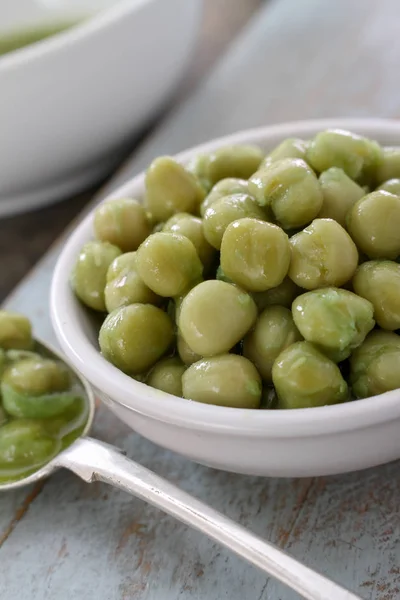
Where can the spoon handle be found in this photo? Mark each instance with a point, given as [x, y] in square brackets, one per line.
[93, 460]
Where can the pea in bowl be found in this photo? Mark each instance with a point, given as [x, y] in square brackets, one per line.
[328, 410]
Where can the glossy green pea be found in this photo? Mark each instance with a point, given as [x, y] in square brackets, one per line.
[340, 194]
[336, 320]
[171, 189]
[304, 378]
[273, 332]
[25, 444]
[227, 380]
[122, 222]
[89, 275]
[358, 156]
[225, 211]
[168, 263]
[375, 365]
[392, 186]
[15, 331]
[255, 254]
[291, 189]
[389, 167]
[379, 282]
[192, 228]
[134, 337]
[225, 187]
[289, 148]
[186, 354]
[374, 224]
[166, 375]
[215, 316]
[125, 286]
[322, 255]
[281, 295]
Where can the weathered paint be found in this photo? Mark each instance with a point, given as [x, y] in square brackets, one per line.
[70, 540]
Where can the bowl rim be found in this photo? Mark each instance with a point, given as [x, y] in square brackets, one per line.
[82, 30]
[164, 407]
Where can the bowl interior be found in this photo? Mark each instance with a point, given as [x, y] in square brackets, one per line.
[77, 331]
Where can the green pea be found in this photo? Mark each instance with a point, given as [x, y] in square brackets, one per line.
[122, 222]
[89, 275]
[289, 148]
[227, 380]
[392, 186]
[186, 354]
[192, 228]
[322, 255]
[125, 286]
[336, 320]
[15, 331]
[134, 337]
[374, 224]
[273, 332]
[215, 316]
[25, 444]
[255, 254]
[304, 378]
[340, 194]
[379, 282]
[167, 263]
[281, 295]
[358, 156]
[389, 167]
[225, 187]
[166, 375]
[170, 189]
[225, 211]
[221, 275]
[290, 188]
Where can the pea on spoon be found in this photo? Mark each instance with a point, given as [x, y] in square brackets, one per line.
[93, 460]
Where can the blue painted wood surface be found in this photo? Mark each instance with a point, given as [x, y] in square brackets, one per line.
[69, 540]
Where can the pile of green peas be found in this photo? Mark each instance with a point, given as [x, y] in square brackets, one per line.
[42, 406]
[254, 281]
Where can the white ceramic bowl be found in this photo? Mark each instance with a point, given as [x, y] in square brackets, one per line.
[70, 103]
[305, 442]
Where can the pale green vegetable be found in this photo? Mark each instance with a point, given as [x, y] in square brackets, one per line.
[192, 228]
[214, 316]
[389, 167]
[289, 148]
[281, 295]
[392, 186]
[15, 331]
[25, 443]
[255, 254]
[226, 380]
[166, 375]
[186, 354]
[225, 187]
[379, 282]
[322, 255]
[340, 194]
[122, 222]
[304, 378]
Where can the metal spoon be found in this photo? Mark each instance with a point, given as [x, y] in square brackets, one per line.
[93, 460]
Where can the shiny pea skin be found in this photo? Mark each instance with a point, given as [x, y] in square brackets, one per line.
[171, 189]
[167, 263]
[289, 148]
[25, 444]
[291, 189]
[273, 332]
[392, 186]
[135, 337]
[15, 331]
[358, 156]
[379, 282]
[192, 228]
[226, 210]
[186, 354]
[374, 224]
[122, 222]
[125, 286]
[281, 295]
[305, 378]
[89, 275]
[215, 316]
[255, 254]
[166, 375]
[227, 380]
[322, 255]
[375, 365]
[238, 161]
[340, 194]
[389, 167]
[336, 320]
[225, 187]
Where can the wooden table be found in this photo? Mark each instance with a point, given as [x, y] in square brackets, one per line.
[64, 539]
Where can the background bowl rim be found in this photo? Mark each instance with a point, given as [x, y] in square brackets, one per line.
[157, 405]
